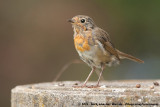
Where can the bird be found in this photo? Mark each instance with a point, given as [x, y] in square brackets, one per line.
[94, 46]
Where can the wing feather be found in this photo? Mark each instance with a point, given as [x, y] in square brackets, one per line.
[103, 37]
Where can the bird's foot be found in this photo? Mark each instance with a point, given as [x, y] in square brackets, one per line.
[93, 86]
[85, 86]
[82, 86]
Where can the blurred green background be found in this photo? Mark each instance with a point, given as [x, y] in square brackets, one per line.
[36, 41]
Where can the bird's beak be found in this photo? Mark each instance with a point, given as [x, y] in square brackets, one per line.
[71, 21]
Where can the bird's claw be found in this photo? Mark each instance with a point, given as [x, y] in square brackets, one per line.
[85, 86]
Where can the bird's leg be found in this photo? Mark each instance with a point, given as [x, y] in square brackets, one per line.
[93, 69]
[98, 73]
[100, 76]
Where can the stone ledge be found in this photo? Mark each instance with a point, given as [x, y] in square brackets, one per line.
[58, 94]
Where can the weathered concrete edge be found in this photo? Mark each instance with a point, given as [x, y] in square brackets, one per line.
[58, 98]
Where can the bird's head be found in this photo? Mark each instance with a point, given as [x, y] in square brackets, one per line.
[82, 22]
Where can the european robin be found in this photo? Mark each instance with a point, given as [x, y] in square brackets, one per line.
[94, 46]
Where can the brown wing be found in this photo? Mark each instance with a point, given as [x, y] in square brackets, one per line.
[103, 37]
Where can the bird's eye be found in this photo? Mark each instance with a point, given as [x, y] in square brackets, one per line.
[83, 20]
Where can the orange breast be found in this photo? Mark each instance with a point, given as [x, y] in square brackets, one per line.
[81, 43]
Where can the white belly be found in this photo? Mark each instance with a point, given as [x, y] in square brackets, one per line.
[95, 56]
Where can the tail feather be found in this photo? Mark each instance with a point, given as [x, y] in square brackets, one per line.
[124, 55]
